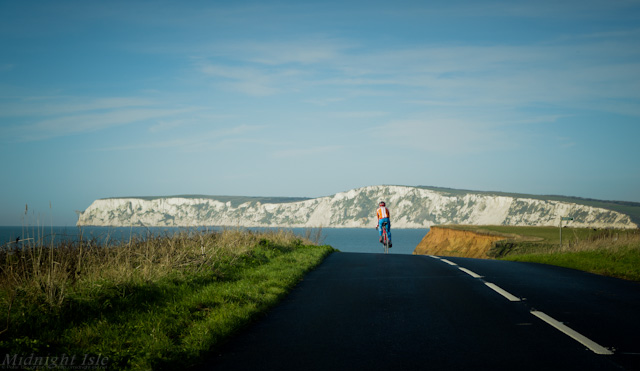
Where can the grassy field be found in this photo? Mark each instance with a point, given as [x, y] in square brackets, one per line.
[607, 252]
[621, 262]
[157, 303]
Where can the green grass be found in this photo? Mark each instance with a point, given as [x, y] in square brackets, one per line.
[541, 235]
[160, 319]
[621, 263]
[614, 253]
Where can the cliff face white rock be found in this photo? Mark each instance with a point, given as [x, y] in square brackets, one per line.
[411, 207]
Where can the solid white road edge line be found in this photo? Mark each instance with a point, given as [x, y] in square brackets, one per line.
[471, 273]
[502, 292]
[596, 348]
[448, 262]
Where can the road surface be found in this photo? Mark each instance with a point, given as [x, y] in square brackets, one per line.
[406, 312]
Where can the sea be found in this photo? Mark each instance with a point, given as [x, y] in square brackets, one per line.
[358, 240]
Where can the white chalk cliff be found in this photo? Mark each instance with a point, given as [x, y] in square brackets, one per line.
[411, 207]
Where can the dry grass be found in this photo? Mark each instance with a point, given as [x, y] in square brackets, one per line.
[611, 240]
[49, 272]
[160, 302]
[614, 253]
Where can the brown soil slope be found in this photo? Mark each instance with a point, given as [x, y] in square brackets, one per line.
[452, 242]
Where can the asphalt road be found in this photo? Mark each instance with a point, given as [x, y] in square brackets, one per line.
[405, 312]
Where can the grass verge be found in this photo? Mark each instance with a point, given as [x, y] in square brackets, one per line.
[614, 253]
[621, 263]
[608, 252]
[161, 303]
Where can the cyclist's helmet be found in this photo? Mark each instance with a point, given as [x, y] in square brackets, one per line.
[382, 203]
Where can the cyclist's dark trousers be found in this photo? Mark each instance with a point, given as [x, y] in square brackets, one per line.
[388, 226]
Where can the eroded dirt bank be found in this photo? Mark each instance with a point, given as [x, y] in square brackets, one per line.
[451, 242]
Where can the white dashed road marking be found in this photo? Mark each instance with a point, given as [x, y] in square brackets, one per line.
[594, 347]
[472, 274]
[502, 292]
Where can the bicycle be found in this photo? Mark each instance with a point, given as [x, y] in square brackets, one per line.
[385, 240]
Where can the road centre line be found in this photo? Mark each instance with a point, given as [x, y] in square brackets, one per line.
[448, 262]
[465, 270]
[493, 286]
[471, 273]
[594, 347]
[502, 292]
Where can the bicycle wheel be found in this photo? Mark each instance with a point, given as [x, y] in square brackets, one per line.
[385, 241]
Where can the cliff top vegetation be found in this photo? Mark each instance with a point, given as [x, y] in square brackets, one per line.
[610, 252]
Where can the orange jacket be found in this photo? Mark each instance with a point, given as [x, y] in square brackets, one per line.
[383, 212]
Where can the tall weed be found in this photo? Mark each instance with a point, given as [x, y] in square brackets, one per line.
[612, 240]
[46, 273]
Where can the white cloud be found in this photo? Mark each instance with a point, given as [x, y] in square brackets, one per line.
[544, 9]
[164, 125]
[297, 153]
[202, 140]
[324, 101]
[581, 73]
[191, 121]
[357, 114]
[49, 117]
[74, 124]
[60, 105]
[313, 50]
[248, 80]
[444, 136]
[585, 76]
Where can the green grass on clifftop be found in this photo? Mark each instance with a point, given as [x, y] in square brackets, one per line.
[614, 253]
[622, 262]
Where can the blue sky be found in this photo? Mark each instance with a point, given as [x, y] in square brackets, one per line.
[294, 98]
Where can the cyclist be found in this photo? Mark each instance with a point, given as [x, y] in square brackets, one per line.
[383, 216]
